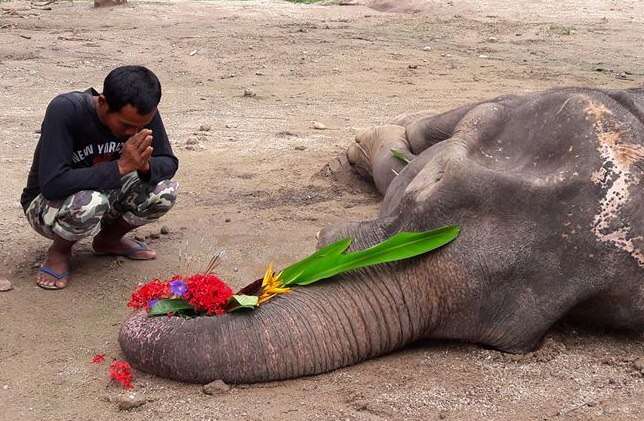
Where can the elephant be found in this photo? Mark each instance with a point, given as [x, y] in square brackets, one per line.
[546, 189]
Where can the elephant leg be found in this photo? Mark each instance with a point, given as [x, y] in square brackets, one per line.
[372, 154]
[430, 129]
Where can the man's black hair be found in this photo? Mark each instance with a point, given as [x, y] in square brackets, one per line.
[134, 85]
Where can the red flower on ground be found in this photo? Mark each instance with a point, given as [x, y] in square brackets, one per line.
[153, 290]
[208, 293]
[98, 359]
[121, 372]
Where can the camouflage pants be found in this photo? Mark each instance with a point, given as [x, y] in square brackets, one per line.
[82, 214]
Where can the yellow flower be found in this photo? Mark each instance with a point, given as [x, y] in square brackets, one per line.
[271, 285]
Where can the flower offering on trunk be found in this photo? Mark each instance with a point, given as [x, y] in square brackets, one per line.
[205, 294]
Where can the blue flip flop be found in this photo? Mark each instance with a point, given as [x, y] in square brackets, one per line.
[57, 276]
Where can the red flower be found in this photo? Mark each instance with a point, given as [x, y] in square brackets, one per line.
[121, 372]
[208, 293]
[98, 359]
[153, 290]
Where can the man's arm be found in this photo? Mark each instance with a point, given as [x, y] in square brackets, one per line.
[163, 163]
[56, 176]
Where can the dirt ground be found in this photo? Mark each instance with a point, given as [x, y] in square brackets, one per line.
[258, 182]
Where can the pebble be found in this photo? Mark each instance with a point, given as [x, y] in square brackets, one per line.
[318, 126]
[259, 73]
[154, 236]
[205, 128]
[5, 387]
[165, 230]
[484, 56]
[427, 48]
[217, 387]
[492, 39]
[249, 93]
[131, 401]
[412, 66]
[300, 148]
[227, 220]
[5, 285]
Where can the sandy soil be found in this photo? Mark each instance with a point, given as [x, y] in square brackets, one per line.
[261, 182]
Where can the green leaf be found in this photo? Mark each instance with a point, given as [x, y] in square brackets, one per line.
[403, 245]
[237, 302]
[292, 273]
[163, 307]
[400, 156]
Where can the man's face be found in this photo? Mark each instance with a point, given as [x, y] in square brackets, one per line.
[125, 122]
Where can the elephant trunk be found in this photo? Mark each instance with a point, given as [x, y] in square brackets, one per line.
[308, 331]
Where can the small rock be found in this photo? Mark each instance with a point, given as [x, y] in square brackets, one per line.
[192, 141]
[204, 128]
[318, 126]
[139, 238]
[412, 66]
[492, 39]
[427, 48]
[193, 52]
[249, 93]
[130, 401]
[5, 387]
[227, 220]
[217, 387]
[300, 148]
[154, 236]
[259, 73]
[235, 269]
[36, 265]
[5, 285]
[165, 230]
[639, 364]
[484, 56]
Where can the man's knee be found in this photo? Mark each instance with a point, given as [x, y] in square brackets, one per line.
[80, 215]
[155, 204]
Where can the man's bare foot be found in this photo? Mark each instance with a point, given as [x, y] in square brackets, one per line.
[132, 249]
[54, 272]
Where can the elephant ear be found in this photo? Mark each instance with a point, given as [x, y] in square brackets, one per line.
[331, 260]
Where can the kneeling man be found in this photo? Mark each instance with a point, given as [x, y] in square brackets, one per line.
[102, 167]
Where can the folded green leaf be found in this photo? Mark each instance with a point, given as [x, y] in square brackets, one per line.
[237, 302]
[403, 245]
[163, 307]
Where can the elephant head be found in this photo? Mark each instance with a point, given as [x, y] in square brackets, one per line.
[547, 191]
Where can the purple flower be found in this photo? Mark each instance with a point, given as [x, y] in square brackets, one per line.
[152, 303]
[178, 287]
